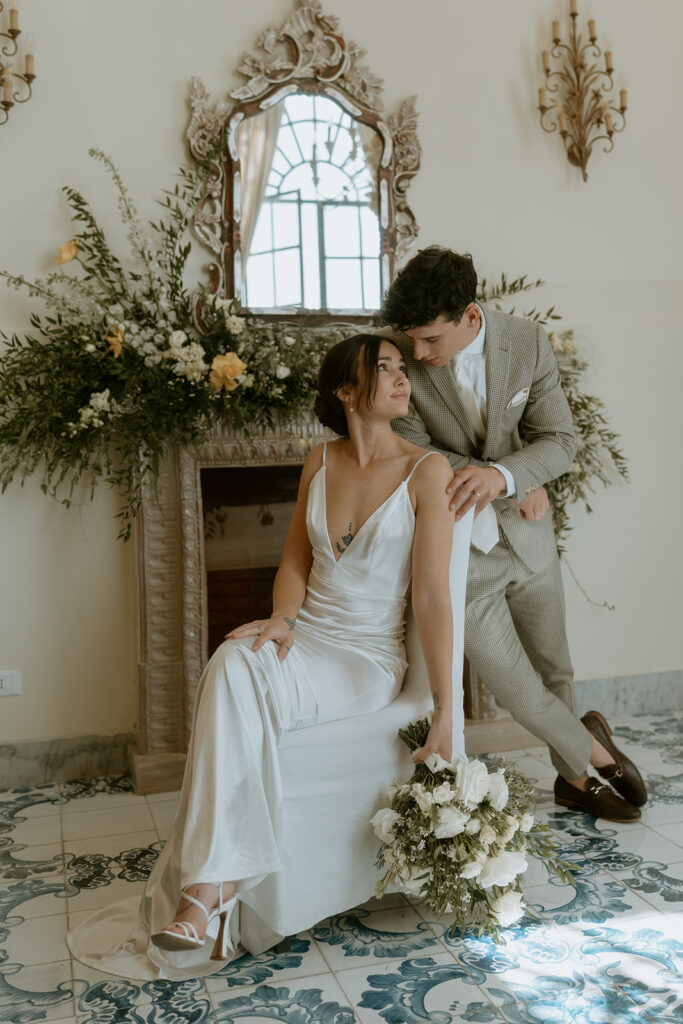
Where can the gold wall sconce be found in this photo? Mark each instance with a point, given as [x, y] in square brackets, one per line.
[16, 88]
[574, 98]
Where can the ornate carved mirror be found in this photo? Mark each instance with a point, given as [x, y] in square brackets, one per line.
[305, 210]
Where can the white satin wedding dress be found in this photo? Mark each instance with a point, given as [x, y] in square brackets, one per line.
[348, 659]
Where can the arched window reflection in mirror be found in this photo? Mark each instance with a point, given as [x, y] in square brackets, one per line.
[309, 228]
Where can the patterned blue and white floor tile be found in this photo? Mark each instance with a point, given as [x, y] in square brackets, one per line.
[609, 951]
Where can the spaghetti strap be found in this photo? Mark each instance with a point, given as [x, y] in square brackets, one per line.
[425, 456]
[324, 451]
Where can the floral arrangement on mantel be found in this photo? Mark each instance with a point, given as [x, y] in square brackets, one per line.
[119, 370]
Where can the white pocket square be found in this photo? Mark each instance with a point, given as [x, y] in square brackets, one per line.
[517, 399]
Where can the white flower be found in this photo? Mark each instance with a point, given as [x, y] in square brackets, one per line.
[99, 401]
[450, 822]
[436, 763]
[502, 869]
[473, 826]
[221, 303]
[487, 835]
[245, 379]
[383, 824]
[442, 794]
[497, 791]
[289, 340]
[422, 797]
[282, 371]
[472, 869]
[472, 782]
[235, 324]
[507, 908]
[177, 339]
[526, 822]
[510, 829]
[90, 348]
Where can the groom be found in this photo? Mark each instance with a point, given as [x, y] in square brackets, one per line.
[486, 393]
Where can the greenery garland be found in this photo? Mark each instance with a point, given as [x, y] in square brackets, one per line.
[119, 369]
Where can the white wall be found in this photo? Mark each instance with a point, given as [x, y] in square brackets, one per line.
[116, 76]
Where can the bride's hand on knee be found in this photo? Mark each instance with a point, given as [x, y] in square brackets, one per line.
[278, 628]
[439, 739]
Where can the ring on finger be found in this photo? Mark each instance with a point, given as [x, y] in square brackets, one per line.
[477, 494]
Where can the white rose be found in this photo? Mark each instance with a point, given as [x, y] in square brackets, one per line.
[497, 791]
[450, 822]
[436, 763]
[510, 829]
[422, 797]
[282, 371]
[442, 794]
[177, 339]
[487, 835]
[526, 822]
[472, 782]
[502, 869]
[221, 303]
[246, 379]
[90, 348]
[289, 340]
[471, 870]
[508, 908]
[235, 324]
[383, 824]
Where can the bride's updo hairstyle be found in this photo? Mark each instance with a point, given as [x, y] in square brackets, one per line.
[349, 363]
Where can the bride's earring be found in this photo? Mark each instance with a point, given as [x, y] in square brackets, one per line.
[351, 409]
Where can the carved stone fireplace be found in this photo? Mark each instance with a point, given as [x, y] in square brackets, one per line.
[173, 630]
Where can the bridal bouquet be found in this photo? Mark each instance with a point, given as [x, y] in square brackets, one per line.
[458, 835]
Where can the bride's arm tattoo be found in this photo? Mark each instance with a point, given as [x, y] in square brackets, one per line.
[437, 703]
[290, 622]
[346, 540]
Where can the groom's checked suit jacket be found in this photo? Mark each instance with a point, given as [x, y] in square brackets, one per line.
[524, 399]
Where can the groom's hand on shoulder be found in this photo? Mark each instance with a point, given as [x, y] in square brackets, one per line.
[474, 487]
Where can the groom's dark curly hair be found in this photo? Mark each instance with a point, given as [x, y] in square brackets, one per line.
[436, 282]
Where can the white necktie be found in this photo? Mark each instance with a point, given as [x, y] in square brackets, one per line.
[485, 527]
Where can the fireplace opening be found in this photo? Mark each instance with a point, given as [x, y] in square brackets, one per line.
[247, 510]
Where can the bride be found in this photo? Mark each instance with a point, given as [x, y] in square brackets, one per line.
[371, 522]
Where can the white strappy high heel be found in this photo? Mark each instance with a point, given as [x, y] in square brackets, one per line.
[189, 939]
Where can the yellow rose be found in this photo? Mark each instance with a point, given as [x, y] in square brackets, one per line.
[224, 369]
[68, 251]
[114, 341]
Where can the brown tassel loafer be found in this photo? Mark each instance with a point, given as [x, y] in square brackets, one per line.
[623, 774]
[597, 799]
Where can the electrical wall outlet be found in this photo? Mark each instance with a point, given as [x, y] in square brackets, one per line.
[10, 682]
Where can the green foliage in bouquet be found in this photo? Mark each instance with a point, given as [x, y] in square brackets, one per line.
[458, 837]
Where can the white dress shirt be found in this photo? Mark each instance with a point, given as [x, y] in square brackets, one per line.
[469, 370]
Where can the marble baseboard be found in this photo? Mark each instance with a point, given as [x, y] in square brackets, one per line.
[82, 757]
[631, 695]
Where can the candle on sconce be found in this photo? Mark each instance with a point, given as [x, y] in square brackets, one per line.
[29, 60]
[609, 124]
[608, 59]
[541, 94]
[572, 8]
[592, 34]
[622, 96]
[556, 31]
[561, 119]
[545, 57]
[13, 16]
[7, 87]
